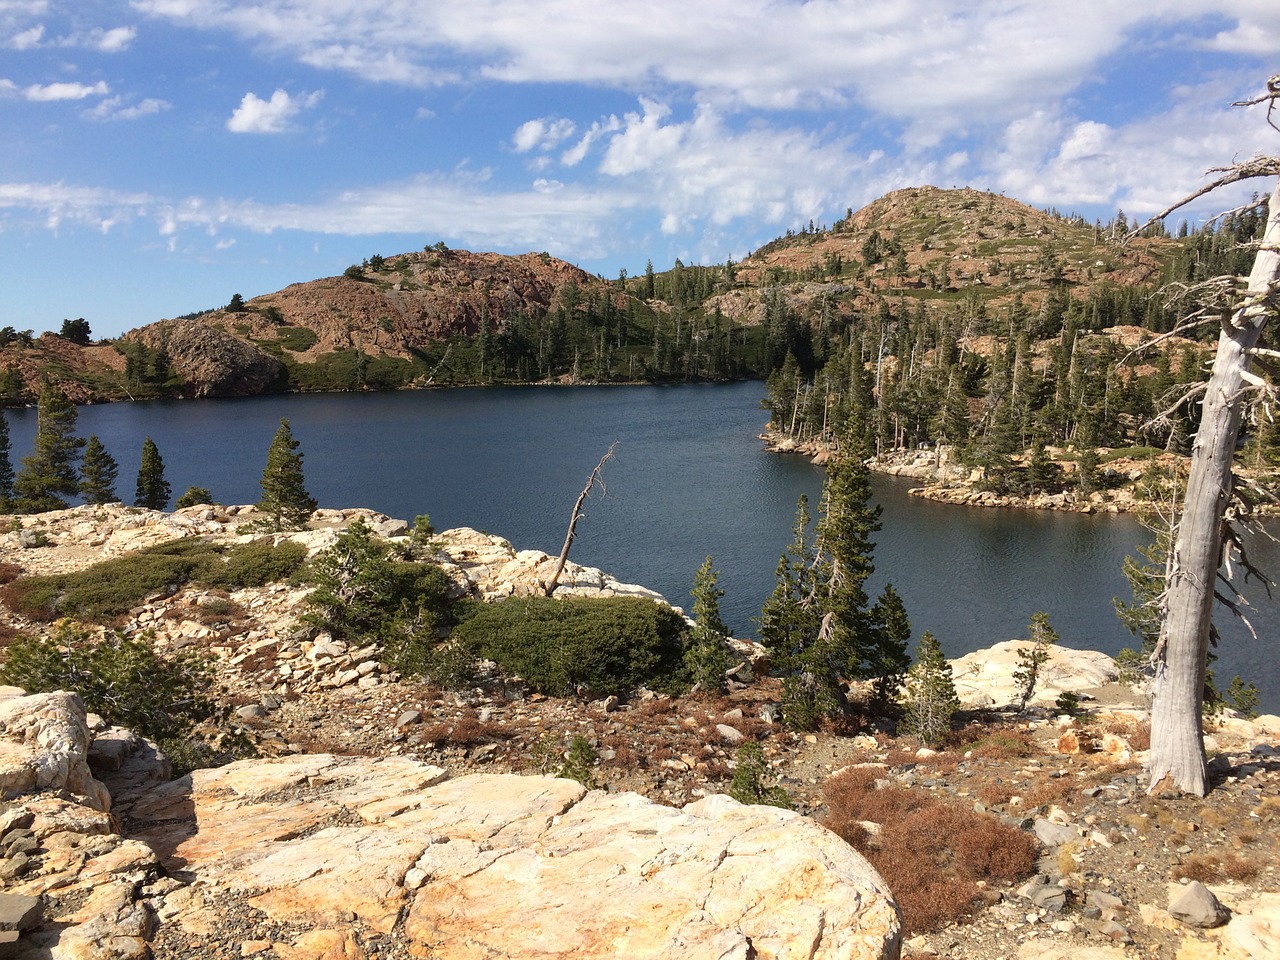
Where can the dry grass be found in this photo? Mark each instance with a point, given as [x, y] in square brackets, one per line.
[985, 742]
[1215, 867]
[932, 853]
[467, 730]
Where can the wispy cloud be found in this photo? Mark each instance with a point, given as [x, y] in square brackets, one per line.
[255, 115]
[115, 108]
[43, 92]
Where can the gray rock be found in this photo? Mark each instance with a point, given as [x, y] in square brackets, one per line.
[729, 734]
[770, 713]
[1050, 897]
[1196, 906]
[408, 719]
[1054, 834]
[252, 711]
[20, 913]
[13, 867]
[1115, 931]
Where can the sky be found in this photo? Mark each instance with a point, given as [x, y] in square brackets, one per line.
[158, 156]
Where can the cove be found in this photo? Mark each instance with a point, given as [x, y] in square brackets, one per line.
[689, 478]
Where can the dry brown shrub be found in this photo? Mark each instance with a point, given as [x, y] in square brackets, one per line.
[1046, 790]
[1196, 867]
[9, 572]
[1268, 809]
[930, 852]
[1140, 738]
[1214, 867]
[994, 793]
[466, 730]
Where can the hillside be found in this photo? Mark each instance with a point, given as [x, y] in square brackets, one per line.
[441, 317]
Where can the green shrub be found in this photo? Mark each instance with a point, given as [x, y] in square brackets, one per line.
[561, 647]
[120, 678]
[193, 497]
[749, 776]
[254, 565]
[113, 587]
[578, 761]
[296, 339]
[364, 595]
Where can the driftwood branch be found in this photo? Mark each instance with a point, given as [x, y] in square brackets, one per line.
[594, 479]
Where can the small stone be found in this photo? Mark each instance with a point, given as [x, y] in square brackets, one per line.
[1054, 834]
[1198, 907]
[408, 718]
[730, 735]
[252, 711]
[1115, 931]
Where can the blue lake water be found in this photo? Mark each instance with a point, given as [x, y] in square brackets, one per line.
[689, 479]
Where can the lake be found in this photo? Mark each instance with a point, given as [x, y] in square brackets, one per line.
[689, 479]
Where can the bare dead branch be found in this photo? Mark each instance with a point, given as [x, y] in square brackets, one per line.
[1248, 170]
[594, 479]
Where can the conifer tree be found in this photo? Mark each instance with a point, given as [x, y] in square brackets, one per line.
[49, 474]
[284, 493]
[1031, 659]
[888, 658]
[817, 624]
[6, 466]
[152, 489]
[98, 471]
[706, 655]
[930, 700]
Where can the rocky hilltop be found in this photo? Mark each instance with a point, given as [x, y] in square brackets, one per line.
[441, 316]
[387, 818]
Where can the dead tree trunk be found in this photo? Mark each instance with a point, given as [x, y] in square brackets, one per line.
[595, 478]
[1177, 735]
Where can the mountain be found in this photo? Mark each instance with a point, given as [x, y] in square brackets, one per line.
[442, 316]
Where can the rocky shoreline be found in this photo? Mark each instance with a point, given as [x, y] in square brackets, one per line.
[946, 481]
[388, 819]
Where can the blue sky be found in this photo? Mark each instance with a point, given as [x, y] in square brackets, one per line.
[160, 155]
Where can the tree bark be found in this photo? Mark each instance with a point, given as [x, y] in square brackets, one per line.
[1177, 735]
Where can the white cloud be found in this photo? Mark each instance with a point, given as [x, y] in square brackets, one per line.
[114, 40]
[115, 108]
[27, 39]
[255, 115]
[65, 91]
[541, 134]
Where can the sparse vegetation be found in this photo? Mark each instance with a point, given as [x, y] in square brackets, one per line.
[111, 588]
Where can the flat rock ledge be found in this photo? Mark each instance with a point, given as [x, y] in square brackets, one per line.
[317, 856]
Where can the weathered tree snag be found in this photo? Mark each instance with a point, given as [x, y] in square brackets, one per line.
[593, 479]
[1177, 736]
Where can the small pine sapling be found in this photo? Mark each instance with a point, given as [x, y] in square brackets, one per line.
[706, 655]
[749, 779]
[930, 699]
[1033, 658]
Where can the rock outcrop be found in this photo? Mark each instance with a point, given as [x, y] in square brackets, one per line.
[320, 856]
[212, 362]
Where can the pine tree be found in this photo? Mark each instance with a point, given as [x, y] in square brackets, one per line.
[930, 699]
[706, 655]
[152, 490]
[284, 494]
[6, 466]
[98, 471]
[49, 474]
[888, 659]
[1032, 659]
[817, 624]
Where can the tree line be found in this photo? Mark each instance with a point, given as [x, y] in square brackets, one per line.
[63, 467]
